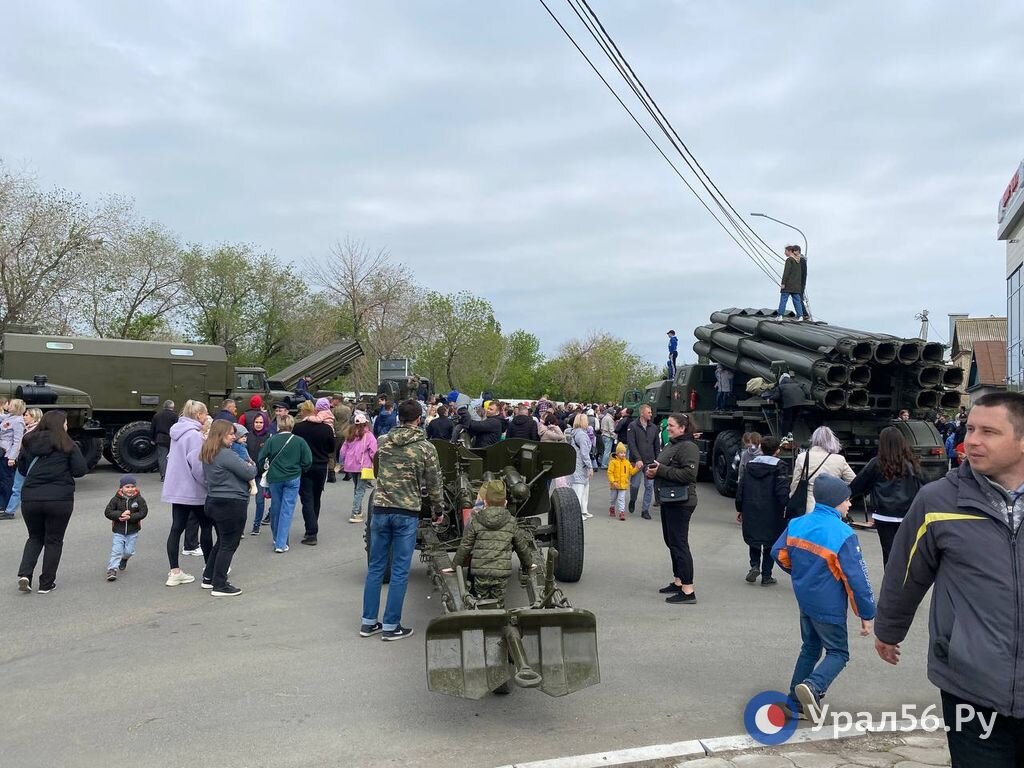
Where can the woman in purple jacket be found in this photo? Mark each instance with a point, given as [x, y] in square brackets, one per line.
[185, 487]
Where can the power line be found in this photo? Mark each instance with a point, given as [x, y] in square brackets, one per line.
[756, 257]
[619, 61]
[699, 171]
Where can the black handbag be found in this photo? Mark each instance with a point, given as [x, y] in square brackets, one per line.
[670, 492]
[797, 504]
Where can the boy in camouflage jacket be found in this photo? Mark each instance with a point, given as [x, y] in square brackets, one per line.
[489, 538]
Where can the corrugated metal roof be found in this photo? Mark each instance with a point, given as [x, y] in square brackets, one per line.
[988, 365]
[969, 331]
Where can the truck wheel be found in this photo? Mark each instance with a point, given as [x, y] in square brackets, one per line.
[366, 538]
[726, 445]
[91, 448]
[566, 517]
[131, 448]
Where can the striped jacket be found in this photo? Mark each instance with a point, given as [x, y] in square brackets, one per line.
[822, 554]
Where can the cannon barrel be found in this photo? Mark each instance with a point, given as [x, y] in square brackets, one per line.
[933, 352]
[952, 376]
[808, 364]
[950, 400]
[809, 336]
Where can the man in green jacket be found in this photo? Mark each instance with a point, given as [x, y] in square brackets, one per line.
[405, 465]
[489, 538]
[792, 284]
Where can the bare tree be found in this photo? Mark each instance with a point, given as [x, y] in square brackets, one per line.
[45, 240]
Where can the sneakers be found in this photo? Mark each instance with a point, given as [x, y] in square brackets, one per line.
[611, 511]
[767, 582]
[6, 515]
[622, 517]
[228, 590]
[397, 633]
[46, 590]
[752, 575]
[254, 532]
[356, 518]
[366, 630]
[279, 550]
[670, 589]
[197, 552]
[645, 515]
[309, 540]
[682, 598]
[587, 515]
[111, 574]
[266, 520]
[176, 579]
[123, 564]
[810, 702]
[632, 509]
[207, 583]
[24, 584]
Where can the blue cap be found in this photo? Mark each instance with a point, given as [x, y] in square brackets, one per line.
[127, 480]
[830, 491]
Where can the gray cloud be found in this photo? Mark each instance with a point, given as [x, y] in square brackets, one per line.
[471, 140]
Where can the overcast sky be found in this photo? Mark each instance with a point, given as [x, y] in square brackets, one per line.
[476, 144]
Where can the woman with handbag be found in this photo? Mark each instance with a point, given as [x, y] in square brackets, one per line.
[356, 457]
[824, 457]
[227, 498]
[578, 438]
[50, 461]
[893, 480]
[284, 458]
[675, 484]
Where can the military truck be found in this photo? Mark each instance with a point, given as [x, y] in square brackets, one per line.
[37, 392]
[128, 381]
[855, 382]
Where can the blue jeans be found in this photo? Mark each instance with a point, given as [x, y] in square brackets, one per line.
[15, 501]
[798, 303]
[261, 505]
[606, 454]
[6, 480]
[123, 547]
[359, 487]
[818, 635]
[634, 491]
[282, 506]
[396, 533]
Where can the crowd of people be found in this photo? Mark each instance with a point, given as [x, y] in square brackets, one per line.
[938, 533]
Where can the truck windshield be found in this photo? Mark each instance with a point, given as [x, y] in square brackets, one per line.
[253, 381]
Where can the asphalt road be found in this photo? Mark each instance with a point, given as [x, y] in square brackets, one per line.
[136, 673]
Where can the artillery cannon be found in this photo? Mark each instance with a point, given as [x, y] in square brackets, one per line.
[476, 647]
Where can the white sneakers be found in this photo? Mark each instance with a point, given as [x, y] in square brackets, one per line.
[197, 552]
[179, 578]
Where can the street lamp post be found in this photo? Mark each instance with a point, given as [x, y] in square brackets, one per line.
[777, 221]
[807, 307]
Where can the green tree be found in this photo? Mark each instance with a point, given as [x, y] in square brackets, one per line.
[599, 367]
[518, 367]
[464, 342]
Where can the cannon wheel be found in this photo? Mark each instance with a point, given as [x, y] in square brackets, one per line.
[132, 449]
[566, 517]
[366, 538]
[726, 445]
[91, 448]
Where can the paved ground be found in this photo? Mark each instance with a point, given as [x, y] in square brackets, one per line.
[98, 674]
[869, 752]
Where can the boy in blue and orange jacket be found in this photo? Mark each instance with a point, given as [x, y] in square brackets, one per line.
[823, 556]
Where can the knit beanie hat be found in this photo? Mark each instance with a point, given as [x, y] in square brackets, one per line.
[240, 430]
[620, 449]
[126, 480]
[830, 491]
[323, 404]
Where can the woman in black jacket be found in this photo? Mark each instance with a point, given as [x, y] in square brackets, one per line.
[893, 479]
[50, 461]
[676, 468]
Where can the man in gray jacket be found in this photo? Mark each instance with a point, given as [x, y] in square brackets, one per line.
[644, 443]
[961, 535]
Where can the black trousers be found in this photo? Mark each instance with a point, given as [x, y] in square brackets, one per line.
[675, 528]
[228, 516]
[761, 557]
[181, 517]
[788, 420]
[192, 532]
[311, 489]
[886, 535]
[46, 522]
[1004, 748]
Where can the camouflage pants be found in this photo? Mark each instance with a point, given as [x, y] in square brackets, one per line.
[489, 588]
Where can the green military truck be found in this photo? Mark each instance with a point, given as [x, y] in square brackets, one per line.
[38, 392]
[128, 381]
[854, 382]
